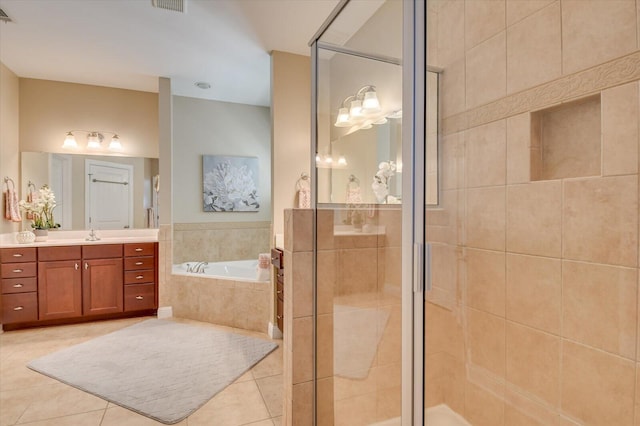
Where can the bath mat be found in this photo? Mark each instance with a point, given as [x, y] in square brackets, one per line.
[356, 335]
[160, 369]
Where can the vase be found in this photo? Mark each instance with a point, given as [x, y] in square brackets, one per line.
[41, 234]
[25, 237]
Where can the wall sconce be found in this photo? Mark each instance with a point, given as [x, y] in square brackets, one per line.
[329, 162]
[356, 107]
[94, 140]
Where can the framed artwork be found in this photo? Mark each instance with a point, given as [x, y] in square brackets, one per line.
[230, 184]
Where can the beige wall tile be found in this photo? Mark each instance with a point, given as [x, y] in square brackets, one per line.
[325, 402]
[486, 154]
[302, 409]
[486, 78]
[452, 160]
[390, 344]
[485, 224]
[453, 93]
[534, 218]
[450, 32]
[534, 49]
[520, 9]
[483, 19]
[534, 288]
[360, 410]
[454, 384]
[519, 148]
[324, 349]
[486, 340]
[443, 332]
[533, 362]
[483, 408]
[620, 114]
[595, 31]
[357, 271]
[302, 347]
[513, 416]
[326, 280]
[298, 229]
[599, 304]
[302, 284]
[600, 220]
[324, 229]
[597, 388]
[444, 273]
[486, 280]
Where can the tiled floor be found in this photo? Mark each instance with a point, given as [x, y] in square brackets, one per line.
[27, 397]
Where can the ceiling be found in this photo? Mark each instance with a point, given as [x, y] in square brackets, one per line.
[129, 44]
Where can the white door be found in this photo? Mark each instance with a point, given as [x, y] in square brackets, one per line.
[60, 182]
[108, 195]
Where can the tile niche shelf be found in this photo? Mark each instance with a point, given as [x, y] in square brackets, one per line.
[565, 140]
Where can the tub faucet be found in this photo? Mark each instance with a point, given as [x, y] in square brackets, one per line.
[198, 267]
[92, 236]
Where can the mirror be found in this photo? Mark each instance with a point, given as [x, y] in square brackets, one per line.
[66, 174]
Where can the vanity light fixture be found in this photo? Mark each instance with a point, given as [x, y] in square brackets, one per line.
[94, 140]
[354, 108]
[328, 162]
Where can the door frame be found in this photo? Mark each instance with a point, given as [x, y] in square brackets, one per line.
[87, 188]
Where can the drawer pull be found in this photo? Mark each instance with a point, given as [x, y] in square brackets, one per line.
[18, 308]
[77, 266]
[17, 271]
[17, 255]
[138, 249]
[86, 266]
[139, 277]
[279, 292]
[139, 297]
[139, 263]
[279, 316]
[18, 285]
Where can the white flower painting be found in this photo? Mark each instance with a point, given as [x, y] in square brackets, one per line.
[230, 184]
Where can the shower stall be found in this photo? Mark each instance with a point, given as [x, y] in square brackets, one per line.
[476, 213]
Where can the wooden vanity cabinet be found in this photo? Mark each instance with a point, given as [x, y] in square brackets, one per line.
[140, 277]
[59, 282]
[18, 294]
[102, 279]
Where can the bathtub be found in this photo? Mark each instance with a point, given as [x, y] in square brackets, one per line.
[235, 270]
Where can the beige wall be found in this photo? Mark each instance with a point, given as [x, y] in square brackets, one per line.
[291, 136]
[49, 109]
[534, 316]
[9, 130]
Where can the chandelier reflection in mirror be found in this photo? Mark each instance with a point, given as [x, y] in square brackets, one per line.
[94, 140]
[361, 110]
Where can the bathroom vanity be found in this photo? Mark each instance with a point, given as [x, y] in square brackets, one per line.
[70, 280]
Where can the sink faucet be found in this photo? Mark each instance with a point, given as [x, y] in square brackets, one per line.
[92, 236]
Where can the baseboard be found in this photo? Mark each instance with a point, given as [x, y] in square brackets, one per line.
[274, 331]
[165, 312]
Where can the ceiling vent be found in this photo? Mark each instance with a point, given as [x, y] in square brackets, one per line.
[175, 5]
[4, 17]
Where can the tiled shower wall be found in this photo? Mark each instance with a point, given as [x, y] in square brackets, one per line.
[534, 315]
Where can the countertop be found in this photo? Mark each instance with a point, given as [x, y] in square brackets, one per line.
[71, 238]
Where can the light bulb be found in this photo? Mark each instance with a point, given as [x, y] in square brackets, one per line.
[70, 141]
[93, 141]
[342, 161]
[318, 158]
[356, 108]
[115, 144]
[328, 160]
[371, 103]
[343, 118]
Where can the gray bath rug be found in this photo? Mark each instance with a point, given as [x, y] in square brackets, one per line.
[160, 369]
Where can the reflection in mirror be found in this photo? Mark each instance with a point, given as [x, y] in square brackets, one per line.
[431, 141]
[67, 175]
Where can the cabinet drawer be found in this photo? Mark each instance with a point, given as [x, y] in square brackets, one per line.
[276, 258]
[135, 277]
[48, 254]
[136, 263]
[139, 297]
[102, 251]
[19, 307]
[21, 254]
[19, 285]
[18, 270]
[142, 249]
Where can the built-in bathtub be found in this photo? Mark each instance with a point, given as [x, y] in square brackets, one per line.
[236, 270]
[224, 293]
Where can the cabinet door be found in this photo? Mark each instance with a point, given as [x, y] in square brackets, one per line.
[102, 286]
[59, 289]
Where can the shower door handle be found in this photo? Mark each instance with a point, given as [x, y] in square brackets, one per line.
[421, 264]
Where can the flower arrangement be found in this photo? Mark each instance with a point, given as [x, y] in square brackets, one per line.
[380, 183]
[41, 208]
